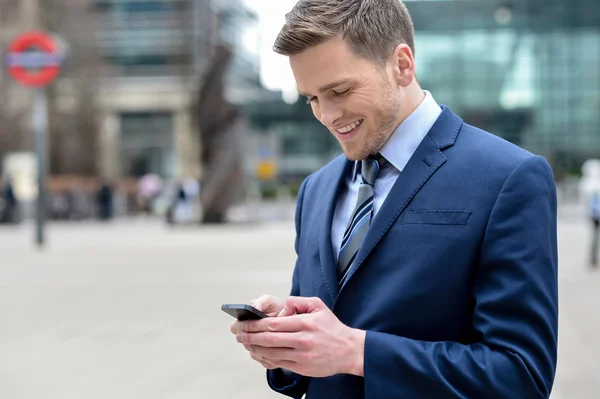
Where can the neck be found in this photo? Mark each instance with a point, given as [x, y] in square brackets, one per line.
[414, 96]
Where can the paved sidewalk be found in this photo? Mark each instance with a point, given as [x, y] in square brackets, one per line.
[132, 310]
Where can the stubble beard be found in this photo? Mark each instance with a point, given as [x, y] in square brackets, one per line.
[376, 139]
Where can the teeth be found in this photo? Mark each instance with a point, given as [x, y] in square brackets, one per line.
[350, 127]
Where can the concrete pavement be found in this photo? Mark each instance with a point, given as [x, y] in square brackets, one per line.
[132, 310]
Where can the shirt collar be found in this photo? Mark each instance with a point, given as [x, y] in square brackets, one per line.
[403, 143]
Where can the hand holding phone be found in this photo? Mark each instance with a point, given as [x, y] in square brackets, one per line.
[268, 305]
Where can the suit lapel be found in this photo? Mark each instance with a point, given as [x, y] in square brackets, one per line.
[426, 160]
[332, 183]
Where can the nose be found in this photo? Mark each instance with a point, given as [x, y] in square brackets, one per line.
[328, 113]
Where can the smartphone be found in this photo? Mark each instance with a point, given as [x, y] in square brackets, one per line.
[243, 312]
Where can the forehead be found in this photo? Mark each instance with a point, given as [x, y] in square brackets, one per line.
[328, 62]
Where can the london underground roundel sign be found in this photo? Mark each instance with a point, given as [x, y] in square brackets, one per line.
[34, 59]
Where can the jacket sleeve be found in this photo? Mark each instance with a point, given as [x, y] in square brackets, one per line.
[515, 313]
[281, 380]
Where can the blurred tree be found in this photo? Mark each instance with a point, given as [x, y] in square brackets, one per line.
[217, 122]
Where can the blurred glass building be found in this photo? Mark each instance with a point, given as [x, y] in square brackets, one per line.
[526, 70]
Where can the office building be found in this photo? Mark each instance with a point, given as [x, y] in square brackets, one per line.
[158, 50]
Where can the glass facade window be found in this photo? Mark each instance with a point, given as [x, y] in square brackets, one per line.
[147, 143]
[528, 72]
[146, 38]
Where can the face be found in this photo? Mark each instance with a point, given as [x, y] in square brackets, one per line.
[356, 99]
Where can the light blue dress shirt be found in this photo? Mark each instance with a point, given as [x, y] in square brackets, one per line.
[398, 150]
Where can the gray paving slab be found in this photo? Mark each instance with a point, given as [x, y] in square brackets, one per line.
[132, 310]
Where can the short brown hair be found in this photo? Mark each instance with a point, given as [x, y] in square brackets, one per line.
[373, 28]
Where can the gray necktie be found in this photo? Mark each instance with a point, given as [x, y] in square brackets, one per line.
[361, 216]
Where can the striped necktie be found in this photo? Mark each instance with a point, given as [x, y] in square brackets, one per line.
[361, 216]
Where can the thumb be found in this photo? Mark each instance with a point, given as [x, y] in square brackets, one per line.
[267, 304]
[300, 305]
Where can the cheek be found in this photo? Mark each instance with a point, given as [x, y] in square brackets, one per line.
[316, 111]
[365, 104]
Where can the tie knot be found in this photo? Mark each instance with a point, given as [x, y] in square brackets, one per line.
[380, 159]
[370, 168]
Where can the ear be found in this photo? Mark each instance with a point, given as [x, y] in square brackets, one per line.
[403, 65]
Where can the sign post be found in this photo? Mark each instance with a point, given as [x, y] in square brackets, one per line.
[40, 128]
[266, 169]
[34, 60]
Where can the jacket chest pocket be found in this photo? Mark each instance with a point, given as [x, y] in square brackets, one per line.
[436, 217]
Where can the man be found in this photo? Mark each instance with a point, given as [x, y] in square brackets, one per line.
[594, 214]
[589, 191]
[427, 254]
[8, 200]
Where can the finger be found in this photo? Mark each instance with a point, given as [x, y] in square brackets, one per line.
[276, 364]
[254, 326]
[289, 365]
[274, 340]
[296, 304]
[260, 302]
[277, 324]
[235, 327]
[266, 304]
[275, 355]
[284, 312]
[264, 362]
[269, 366]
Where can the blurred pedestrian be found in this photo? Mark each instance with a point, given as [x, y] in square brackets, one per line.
[594, 214]
[105, 200]
[150, 187]
[589, 192]
[183, 205]
[8, 212]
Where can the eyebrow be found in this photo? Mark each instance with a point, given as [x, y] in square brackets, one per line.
[329, 86]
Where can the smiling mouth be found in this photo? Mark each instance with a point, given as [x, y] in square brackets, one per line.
[349, 128]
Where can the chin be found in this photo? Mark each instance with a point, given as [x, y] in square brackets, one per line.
[354, 154]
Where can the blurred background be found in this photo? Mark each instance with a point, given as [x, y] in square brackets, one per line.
[173, 113]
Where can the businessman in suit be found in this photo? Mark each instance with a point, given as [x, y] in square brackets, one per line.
[427, 253]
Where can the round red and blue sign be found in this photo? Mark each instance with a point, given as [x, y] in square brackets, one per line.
[34, 59]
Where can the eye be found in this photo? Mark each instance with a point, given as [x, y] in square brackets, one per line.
[309, 100]
[341, 93]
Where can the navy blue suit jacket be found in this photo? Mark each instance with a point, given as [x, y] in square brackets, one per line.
[455, 282]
